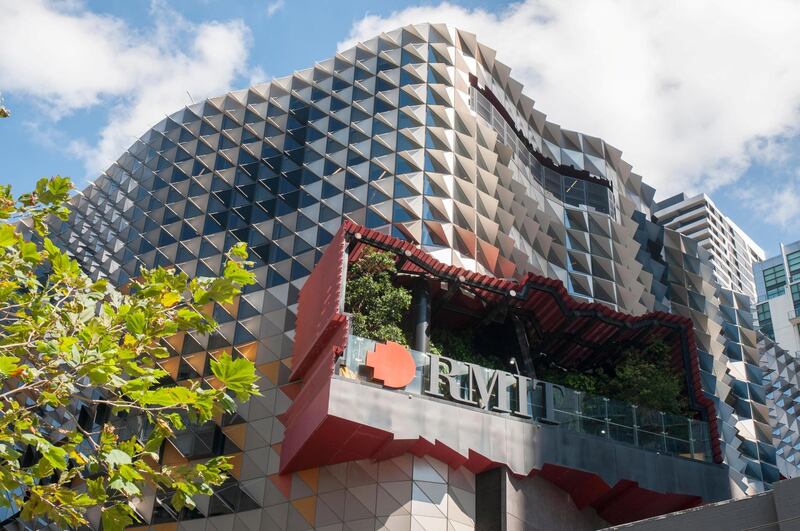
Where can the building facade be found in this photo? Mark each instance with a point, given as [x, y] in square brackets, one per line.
[778, 288]
[420, 135]
[782, 379]
[733, 252]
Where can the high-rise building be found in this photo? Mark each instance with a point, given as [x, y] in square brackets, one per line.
[732, 251]
[419, 143]
[778, 289]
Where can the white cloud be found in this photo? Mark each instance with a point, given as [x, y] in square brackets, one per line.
[67, 58]
[690, 90]
[777, 203]
[257, 75]
[274, 7]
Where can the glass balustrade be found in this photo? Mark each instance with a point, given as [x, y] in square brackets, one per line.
[574, 410]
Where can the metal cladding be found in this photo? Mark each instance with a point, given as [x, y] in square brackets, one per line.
[423, 135]
[782, 370]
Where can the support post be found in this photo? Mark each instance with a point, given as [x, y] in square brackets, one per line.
[421, 315]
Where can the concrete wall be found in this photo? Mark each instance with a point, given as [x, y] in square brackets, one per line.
[520, 444]
[781, 308]
[509, 503]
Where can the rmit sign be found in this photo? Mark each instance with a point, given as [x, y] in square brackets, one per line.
[462, 382]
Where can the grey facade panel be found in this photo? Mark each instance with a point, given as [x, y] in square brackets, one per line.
[524, 446]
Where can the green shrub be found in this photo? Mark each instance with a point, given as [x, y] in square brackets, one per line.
[376, 304]
[459, 345]
[647, 378]
[642, 377]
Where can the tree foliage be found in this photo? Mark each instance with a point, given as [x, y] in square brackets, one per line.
[647, 378]
[379, 307]
[460, 345]
[376, 305]
[69, 343]
[644, 377]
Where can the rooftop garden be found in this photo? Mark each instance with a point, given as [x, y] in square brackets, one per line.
[379, 299]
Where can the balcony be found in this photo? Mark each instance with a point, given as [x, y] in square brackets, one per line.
[547, 403]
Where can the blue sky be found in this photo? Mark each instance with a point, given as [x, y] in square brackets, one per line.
[697, 99]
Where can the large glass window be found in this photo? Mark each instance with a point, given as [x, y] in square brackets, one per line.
[574, 191]
[569, 190]
[793, 259]
[765, 320]
[552, 183]
[598, 197]
[775, 281]
[796, 298]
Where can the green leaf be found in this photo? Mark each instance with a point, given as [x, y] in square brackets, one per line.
[50, 247]
[52, 455]
[8, 235]
[126, 487]
[29, 252]
[169, 396]
[129, 473]
[136, 322]
[118, 349]
[117, 518]
[55, 456]
[116, 458]
[239, 250]
[238, 375]
[8, 366]
[236, 273]
[180, 500]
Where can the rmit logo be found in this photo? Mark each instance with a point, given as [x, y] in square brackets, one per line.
[463, 382]
[391, 363]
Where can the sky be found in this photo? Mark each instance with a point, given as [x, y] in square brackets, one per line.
[700, 95]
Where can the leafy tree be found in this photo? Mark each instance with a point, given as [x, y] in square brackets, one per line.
[377, 306]
[642, 376]
[647, 378]
[67, 343]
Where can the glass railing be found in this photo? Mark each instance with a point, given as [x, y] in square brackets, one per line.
[549, 403]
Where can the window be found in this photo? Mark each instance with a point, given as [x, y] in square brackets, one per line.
[774, 280]
[574, 191]
[569, 190]
[793, 260]
[598, 198]
[765, 320]
[796, 298]
[552, 183]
